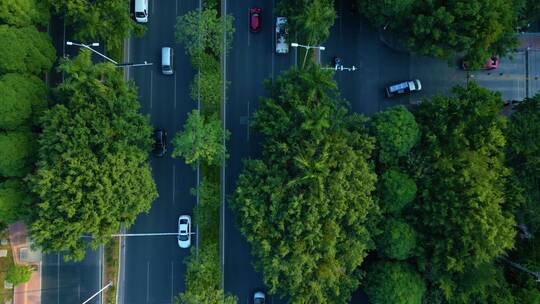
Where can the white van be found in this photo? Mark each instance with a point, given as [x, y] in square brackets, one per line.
[141, 11]
[167, 61]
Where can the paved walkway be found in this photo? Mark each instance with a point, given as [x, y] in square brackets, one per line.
[30, 292]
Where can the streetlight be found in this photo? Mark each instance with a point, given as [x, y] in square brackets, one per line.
[91, 49]
[119, 65]
[307, 47]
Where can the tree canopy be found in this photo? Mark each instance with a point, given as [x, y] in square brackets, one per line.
[18, 150]
[104, 21]
[15, 201]
[22, 13]
[306, 206]
[523, 155]
[394, 282]
[396, 191]
[18, 274]
[396, 132]
[476, 28]
[23, 98]
[201, 139]
[310, 19]
[461, 210]
[28, 50]
[93, 173]
[398, 239]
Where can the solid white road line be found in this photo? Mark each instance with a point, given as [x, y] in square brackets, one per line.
[58, 278]
[172, 281]
[174, 94]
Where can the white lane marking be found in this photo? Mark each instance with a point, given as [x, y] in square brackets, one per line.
[172, 281]
[173, 183]
[248, 27]
[273, 53]
[147, 281]
[151, 87]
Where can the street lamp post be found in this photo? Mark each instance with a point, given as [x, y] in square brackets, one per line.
[119, 65]
[307, 47]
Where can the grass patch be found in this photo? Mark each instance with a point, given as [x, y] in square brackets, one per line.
[111, 269]
[5, 264]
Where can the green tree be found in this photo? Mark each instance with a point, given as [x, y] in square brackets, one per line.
[201, 139]
[396, 191]
[462, 212]
[203, 279]
[93, 173]
[15, 201]
[523, 156]
[207, 212]
[385, 12]
[207, 84]
[315, 20]
[203, 32]
[306, 206]
[18, 274]
[443, 29]
[396, 132]
[18, 153]
[398, 239]
[23, 98]
[394, 282]
[28, 50]
[22, 13]
[105, 21]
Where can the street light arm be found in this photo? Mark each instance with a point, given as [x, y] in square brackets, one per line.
[91, 49]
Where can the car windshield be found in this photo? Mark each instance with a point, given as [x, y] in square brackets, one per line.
[139, 14]
[183, 237]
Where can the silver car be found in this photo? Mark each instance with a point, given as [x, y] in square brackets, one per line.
[184, 231]
[259, 298]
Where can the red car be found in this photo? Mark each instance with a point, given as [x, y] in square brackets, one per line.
[255, 19]
[491, 64]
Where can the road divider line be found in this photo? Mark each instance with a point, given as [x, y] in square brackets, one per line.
[151, 87]
[173, 183]
[172, 281]
[147, 281]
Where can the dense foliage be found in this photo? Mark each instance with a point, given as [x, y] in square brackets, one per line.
[477, 28]
[461, 212]
[397, 190]
[306, 206]
[394, 282]
[18, 150]
[23, 98]
[396, 132]
[201, 139]
[398, 239]
[22, 13]
[15, 201]
[28, 50]
[523, 155]
[310, 19]
[108, 22]
[18, 274]
[93, 173]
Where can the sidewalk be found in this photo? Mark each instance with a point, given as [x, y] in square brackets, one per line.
[30, 292]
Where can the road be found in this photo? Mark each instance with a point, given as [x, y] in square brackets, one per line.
[251, 61]
[154, 266]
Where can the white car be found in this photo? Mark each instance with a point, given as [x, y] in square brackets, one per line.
[184, 231]
[259, 297]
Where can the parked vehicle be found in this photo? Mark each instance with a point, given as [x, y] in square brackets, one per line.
[255, 19]
[491, 64]
[141, 11]
[282, 46]
[160, 142]
[167, 61]
[184, 231]
[403, 88]
[259, 297]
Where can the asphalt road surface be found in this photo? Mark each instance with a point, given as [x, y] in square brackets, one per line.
[70, 282]
[154, 266]
[251, 61]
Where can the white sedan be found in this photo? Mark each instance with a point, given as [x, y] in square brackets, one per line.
[184, 231]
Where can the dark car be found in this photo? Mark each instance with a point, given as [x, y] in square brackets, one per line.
[160, 142]
[255, 19]
[403, 88]
[491, 64]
